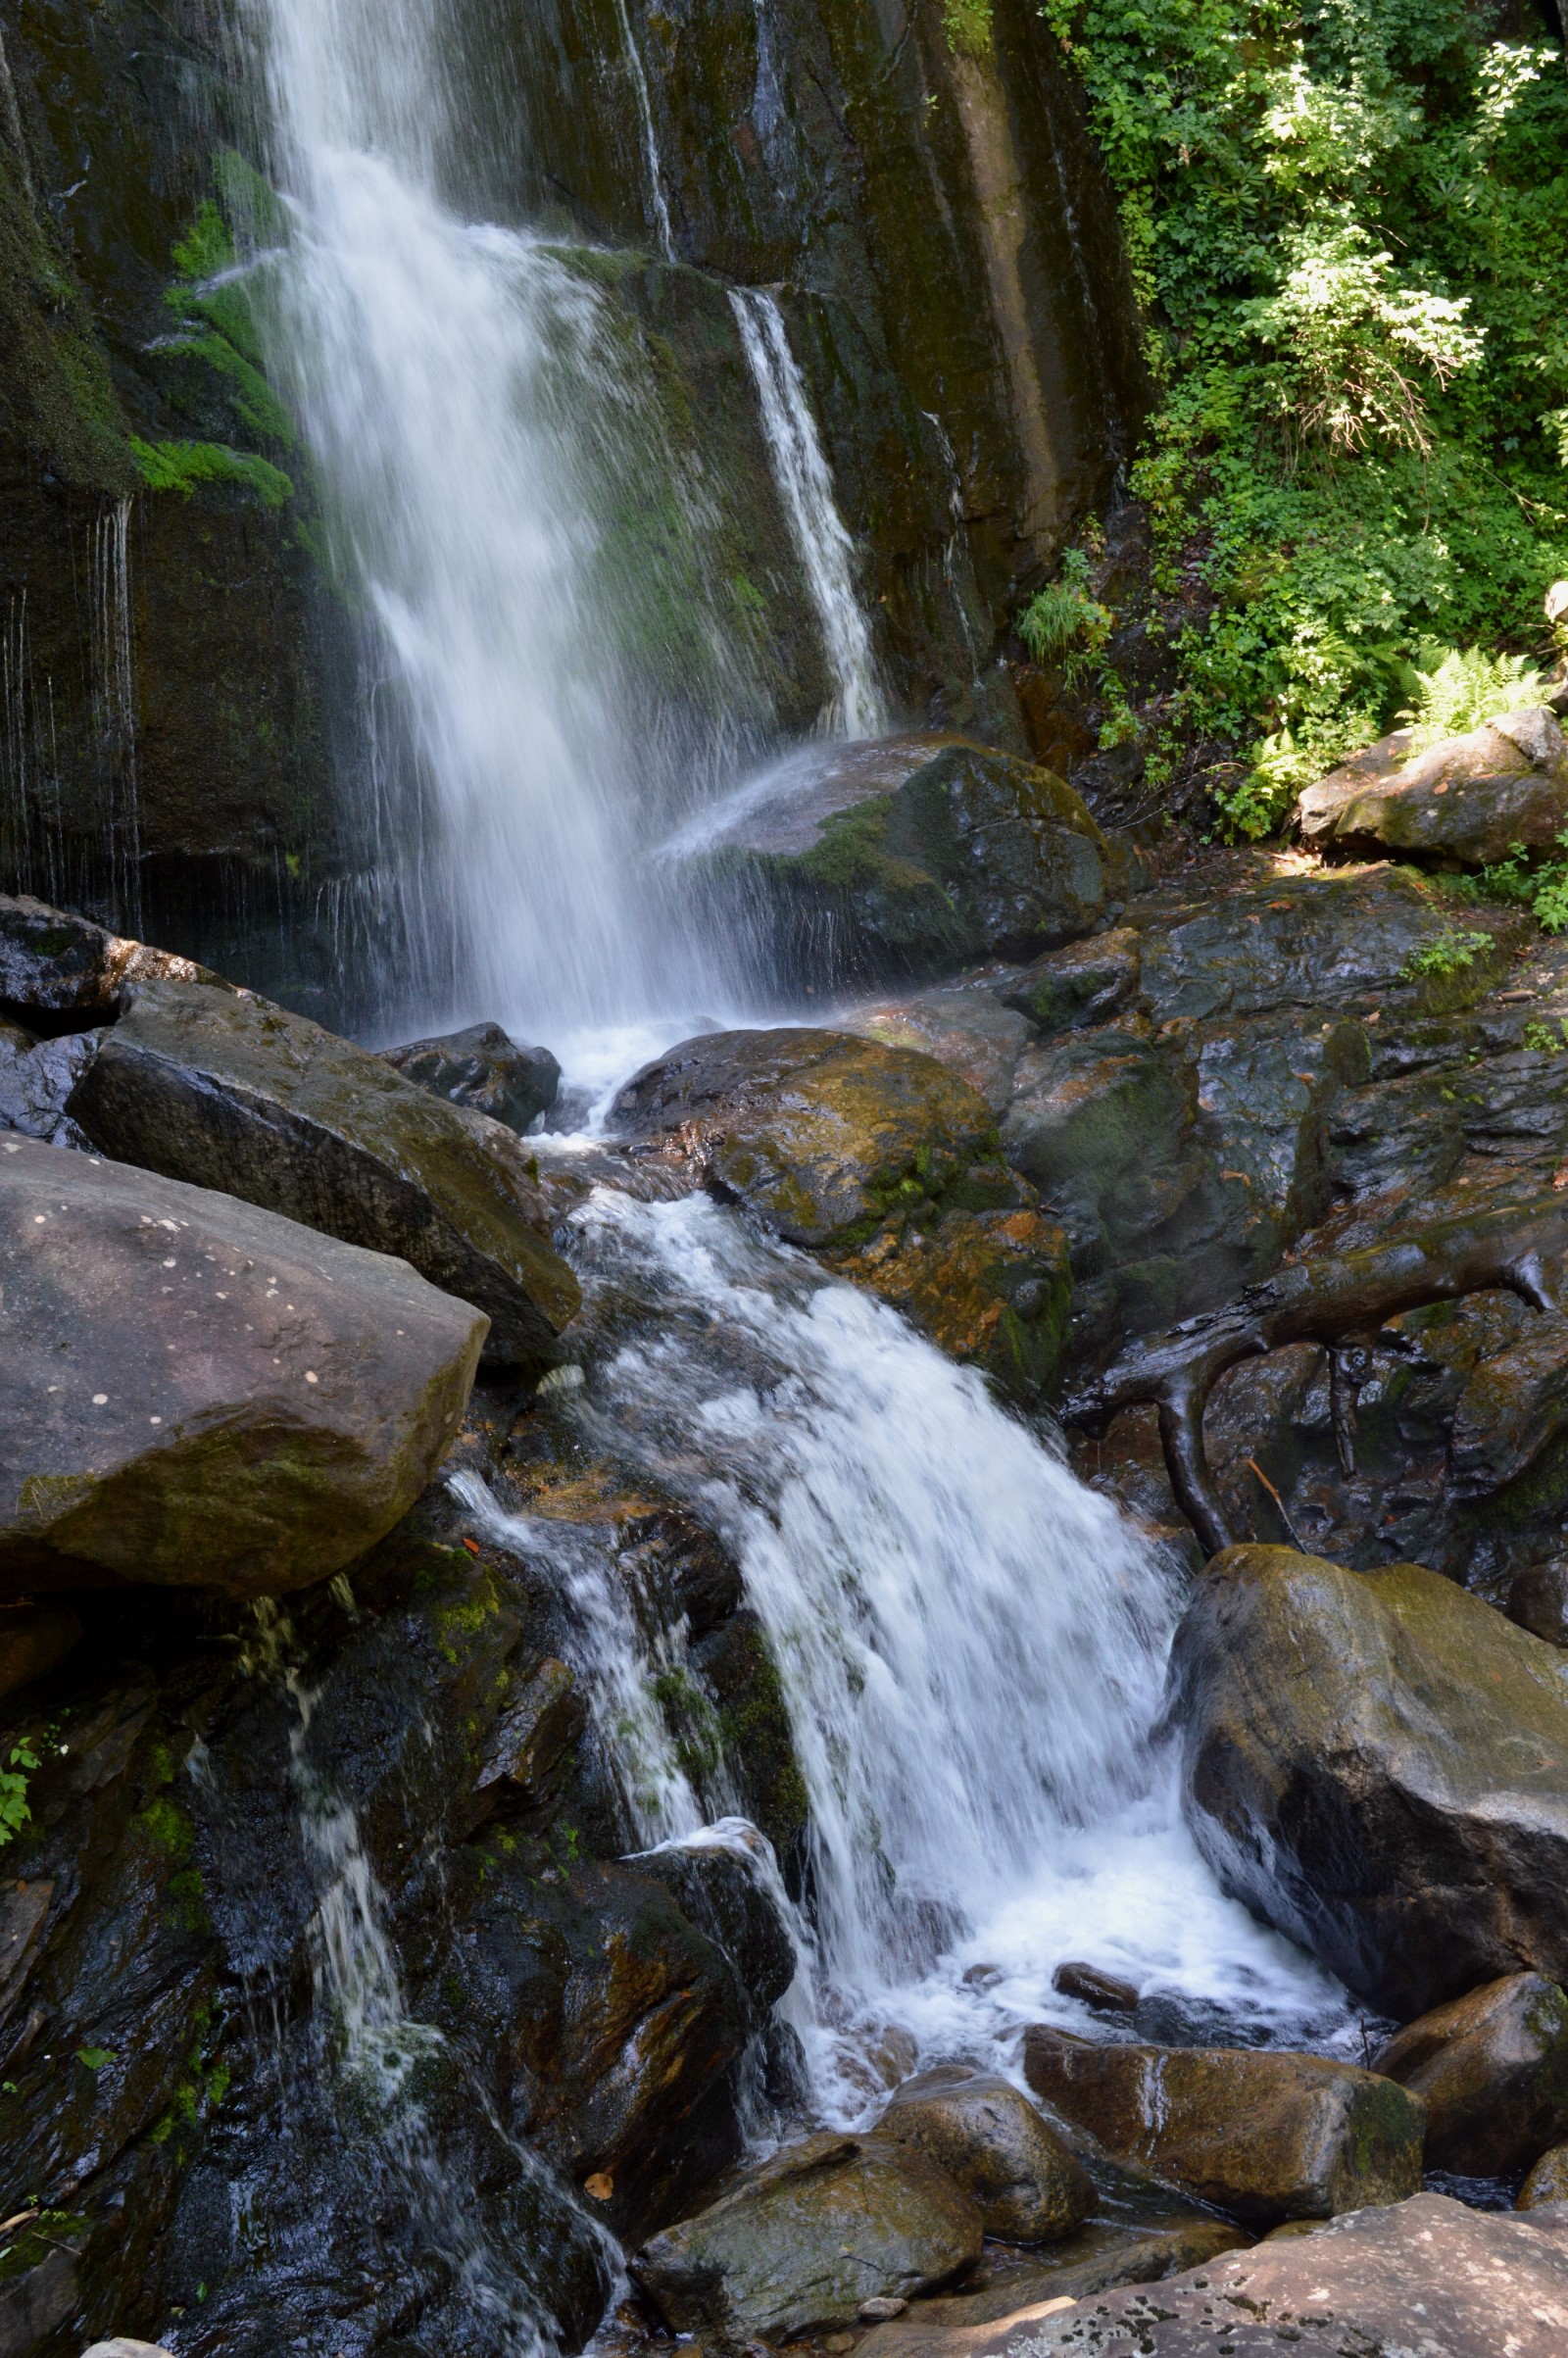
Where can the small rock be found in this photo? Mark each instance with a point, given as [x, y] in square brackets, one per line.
[1095, 1988]
[483, 1067]
[1491, 2068]
[1538, 1600]
[1546, 2182]
[993, 2142]
[837, 2344]
[1261, 2135]
[124, 2348]
[880, 2307]
[808, 2236]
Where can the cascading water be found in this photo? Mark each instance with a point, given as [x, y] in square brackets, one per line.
[971, 1646]
[856, 708]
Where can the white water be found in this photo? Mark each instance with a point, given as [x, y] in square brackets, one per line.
[644, 120]
[971, 1646]
[856, 708]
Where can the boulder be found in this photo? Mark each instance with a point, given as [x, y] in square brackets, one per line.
[196, 1392]
[1428, 2276]
[65, 973]
[1264, 2136]
[1546, 2182]
[1491, 2068]
[910, 855]
[1085, 984]
[1377, 1763]
[1538, 1600]
[1092, 1987]
[224, 1089]
[37, 1077]
[1513, 1405]
[806, 2238]
[483, 1067]
[1471, 797]
[989, 2138]
[968, 1030]
[884, 1161]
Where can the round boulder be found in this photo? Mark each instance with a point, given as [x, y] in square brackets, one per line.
[976, 2126]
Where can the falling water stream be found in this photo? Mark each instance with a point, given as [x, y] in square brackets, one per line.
[970, 1643]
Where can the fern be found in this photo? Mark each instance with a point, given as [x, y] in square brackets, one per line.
[1454, 689]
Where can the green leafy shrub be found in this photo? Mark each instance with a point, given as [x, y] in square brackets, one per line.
[1455, 689]
[1347, 225]
[13, 1811]
[1064, 622]
[1448, 953]
[967, 26]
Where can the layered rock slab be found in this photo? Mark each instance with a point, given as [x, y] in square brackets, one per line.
[1264, 2136]
[1426, 2276]
[808, 2237]
[1377, 1763]
[224, 1089]
[195, 1391]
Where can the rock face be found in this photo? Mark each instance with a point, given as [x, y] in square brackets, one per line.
[1264, 2136]
[988, 2137]
[1471, 797]
[910, 856]
[883, 1162]
[1426, 2274]
[826, 2225]
[1491, 2068]
[222, 1089]
[197, 1391]
[483, 1067]
[1378, 1764]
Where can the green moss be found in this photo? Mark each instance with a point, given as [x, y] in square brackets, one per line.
[167, 1827]
[183, 466]
[967, 26]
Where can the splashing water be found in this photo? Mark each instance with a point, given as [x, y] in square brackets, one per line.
[806, 487]
[971, 1646]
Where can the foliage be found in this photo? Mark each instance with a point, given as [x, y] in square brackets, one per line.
[1546, 1041]
[1347, 225]
[13, 1811]
[1064, 619]
[1541, 884]
[967, 26]
[181, 466]
[1448, 953]
[1454, 689]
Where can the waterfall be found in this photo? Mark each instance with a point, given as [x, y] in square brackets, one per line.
[644, 119]
[805, 488]
[971, 1646]
[475, 421]
[114, 706]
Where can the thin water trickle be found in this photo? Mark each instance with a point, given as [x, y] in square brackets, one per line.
[650, 137]
[114, 706]
[856, 708]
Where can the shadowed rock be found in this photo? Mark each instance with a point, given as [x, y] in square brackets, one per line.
[482, 1067]
[1546, 2183]
[1491, 2068]
[198, 1392]
[1377, 1763]
[1264, 2136]
[225, 1091]
[807, 2238]
[1538, 1600]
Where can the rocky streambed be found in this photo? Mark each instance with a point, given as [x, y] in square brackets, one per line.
[419, 1931]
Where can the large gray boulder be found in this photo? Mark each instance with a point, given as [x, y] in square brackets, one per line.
[1377, 1763]
[197, 1393]
[806, 2238]
[1471, 798]
[912, 855]
[1423, 2278]
[224, 1089]
[1264, 2136]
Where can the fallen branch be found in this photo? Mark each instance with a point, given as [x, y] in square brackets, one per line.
[1314, 1301]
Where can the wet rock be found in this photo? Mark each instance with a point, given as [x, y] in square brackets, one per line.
[911, 856]
[970, 1031]
[1089, 982]
[1095, 1987]
[122, 2348]
[1468, 2284]
[1264, 2136]
[222, 1090]
[531, 1738]
[1513, 1405]
[1377, 1763]
[726, 1881]
[1491, 2068]
[37, 1079]
[483, 1067]
[1546, 2182]
[1471, 797]
[66, 973]
[992, 2141]
[884, 1161]
[807, 2238]
[1538, 1600]
[34, 1641]
[197, 1391]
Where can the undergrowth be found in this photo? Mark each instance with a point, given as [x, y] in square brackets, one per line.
[1347, 223]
